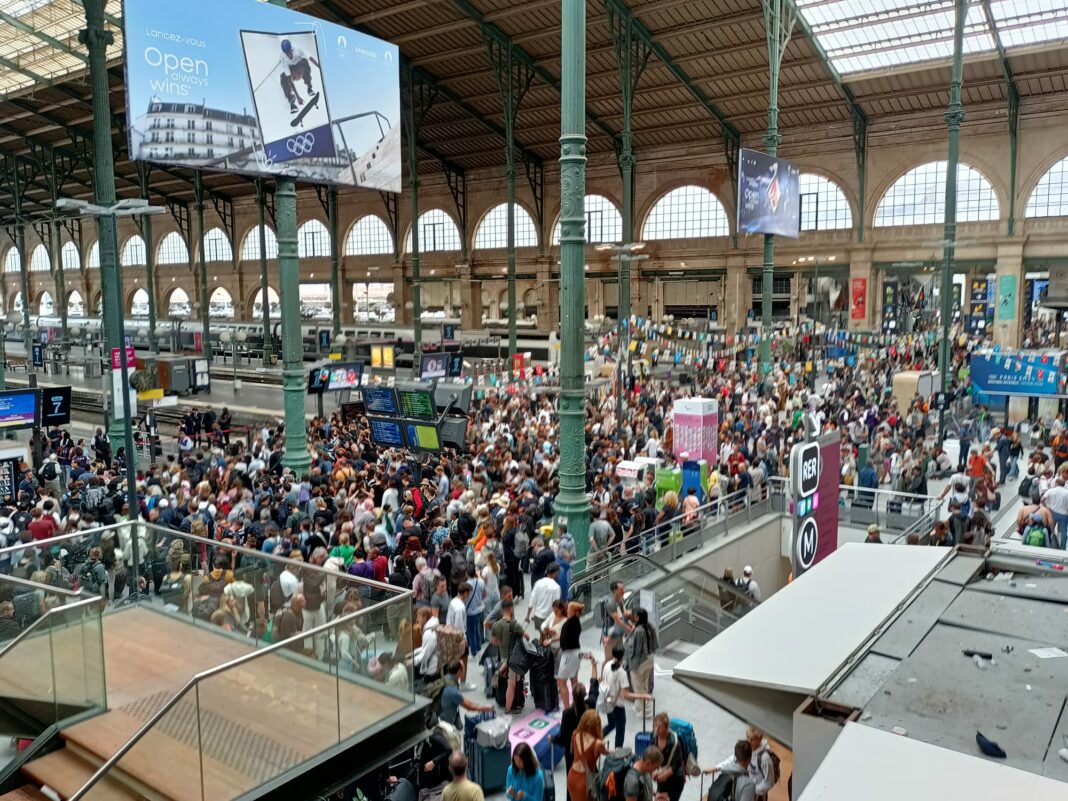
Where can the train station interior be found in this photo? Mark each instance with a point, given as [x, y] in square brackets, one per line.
[749, 284]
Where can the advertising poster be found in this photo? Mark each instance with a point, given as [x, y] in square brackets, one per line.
[858, 299]
[18, 408]
[769, 195]
[1018, 373]
[258, 89]
[978, 304]
[695, 422]
[1006, 298]
[890, 306]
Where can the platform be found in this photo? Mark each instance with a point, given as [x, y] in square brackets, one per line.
[243, 728]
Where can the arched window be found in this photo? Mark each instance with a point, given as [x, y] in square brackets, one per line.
[133, 252]
[313, 240]
[823, 204]
[274, 305]
[93, 262]
[46, 307]
[1050, 195]
[919, 197]
[250, 251]
[689, 212]
[71, 258]
[372, 302]
[17, 305]
[75, 304]
[369, 237]
[604, 223]
[40, 261]
[217, 246]
[437, 233]
[179, 305]
[172, 250]
[221, 304]
[493, 230]
[139, 304]
[11, 261]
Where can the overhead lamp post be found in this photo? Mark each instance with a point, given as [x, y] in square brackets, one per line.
[234, 340]
[625, 255]
[10, 321]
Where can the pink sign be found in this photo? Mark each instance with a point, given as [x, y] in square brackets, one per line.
[695, 422]
[116, 358]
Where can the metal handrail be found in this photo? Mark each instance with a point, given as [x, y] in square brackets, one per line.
[53, 612]
[137, 736]
[716, 505]
[33, 585]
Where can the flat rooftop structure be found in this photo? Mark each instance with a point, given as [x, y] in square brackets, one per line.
[883, 639]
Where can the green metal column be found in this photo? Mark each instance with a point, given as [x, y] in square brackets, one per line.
[150, 262]
[860, 152]
[97, 38]
[335, 259]
[296, 456]
[24, 284]
[778, 24]
[954, 118]
[55, 245]
[513, 346]
[572, 502]
[265, 306]
[1014, 127]
[413, 185]
[202, 266]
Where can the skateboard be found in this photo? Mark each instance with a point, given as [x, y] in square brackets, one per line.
[313, 101]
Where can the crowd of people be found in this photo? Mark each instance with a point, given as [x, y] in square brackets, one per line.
[242, 542]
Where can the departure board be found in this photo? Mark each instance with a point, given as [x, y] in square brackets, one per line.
[379, 400]
[416, 403]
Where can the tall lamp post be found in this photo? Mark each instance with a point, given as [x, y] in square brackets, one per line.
[625, 256]
[7, 324]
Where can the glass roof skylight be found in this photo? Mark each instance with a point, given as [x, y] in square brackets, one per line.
[39, 41]
[883, 35]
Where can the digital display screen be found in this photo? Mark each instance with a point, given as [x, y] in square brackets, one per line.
[318, 380]
[382, 357]
[380, 400]
[455, 367]
[18, 408]
[386, 433]
[448, 331]
[345, 376]
[433, 365]
[415, 403]
[422, 436]
[55, 406]
[352, 412]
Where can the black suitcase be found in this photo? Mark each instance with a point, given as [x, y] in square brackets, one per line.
[543, 681]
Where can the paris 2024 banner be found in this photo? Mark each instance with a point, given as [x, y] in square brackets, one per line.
[769, 195]
[242, 86]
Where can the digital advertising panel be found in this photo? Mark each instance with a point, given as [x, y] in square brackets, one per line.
[19, 408]
[246, 87]
[433, 365]
[769, 195]
[345, 376]
[318, 380]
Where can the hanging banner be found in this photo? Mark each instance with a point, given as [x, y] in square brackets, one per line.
[1018, 372]
[890, 306]
[769, 197]
[858, 299]
[1006, 311]
[246, 87]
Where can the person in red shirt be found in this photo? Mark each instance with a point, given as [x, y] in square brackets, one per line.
[42, 526]
[381, 564]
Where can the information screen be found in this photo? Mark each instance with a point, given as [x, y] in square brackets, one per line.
[455, 367]
[454, 432]
[55, 406]
[18, 408]
[433, 365]
[345, 376]
[382, 357]
[380, 400]
[318, 380]
[416, 403]
[422, 436]
[386, 433]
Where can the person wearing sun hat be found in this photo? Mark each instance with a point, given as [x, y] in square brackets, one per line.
[873, 535]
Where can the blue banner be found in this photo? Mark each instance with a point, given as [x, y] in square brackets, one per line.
[245, 87]
[769, 195]
[1018, 373]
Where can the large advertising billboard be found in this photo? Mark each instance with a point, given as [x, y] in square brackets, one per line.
[1018, 372]
[242, 86]
[769, 195]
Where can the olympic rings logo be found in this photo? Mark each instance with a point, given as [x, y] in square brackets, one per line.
[301, 145]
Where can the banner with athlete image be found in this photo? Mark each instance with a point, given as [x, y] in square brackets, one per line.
[769, 195]
[247, 87]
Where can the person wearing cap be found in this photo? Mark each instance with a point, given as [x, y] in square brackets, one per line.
[748, 584]
[873, 535]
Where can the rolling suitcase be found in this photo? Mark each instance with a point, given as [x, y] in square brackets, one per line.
[520, 699]
[644, 738]
[489, 767]
[549, 777]
[543, 681]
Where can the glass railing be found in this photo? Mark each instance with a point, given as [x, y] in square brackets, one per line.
[254, 719]
[51, 655]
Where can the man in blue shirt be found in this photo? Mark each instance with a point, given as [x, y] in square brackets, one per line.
[452, 699]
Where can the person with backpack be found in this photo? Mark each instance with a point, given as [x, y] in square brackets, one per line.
[733, 782]
[764, 767]
[670, 778]
[638, 786]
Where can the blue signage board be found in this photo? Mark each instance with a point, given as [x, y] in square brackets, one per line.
[1037, 373]
[769, 195]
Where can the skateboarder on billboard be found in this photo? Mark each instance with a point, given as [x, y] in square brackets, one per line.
[295, 67]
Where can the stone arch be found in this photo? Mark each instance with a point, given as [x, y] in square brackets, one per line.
[642, 221]
[177, 303]
[253, 299]
[76, 304]
[521, 209]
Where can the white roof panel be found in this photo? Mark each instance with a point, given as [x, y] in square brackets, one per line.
[799, 636]
[876, 765]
